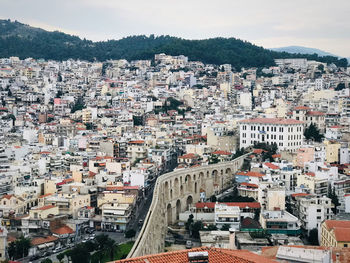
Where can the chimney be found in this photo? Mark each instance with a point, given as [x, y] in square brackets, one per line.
[337, 256]
[200, 256]
[232, 239]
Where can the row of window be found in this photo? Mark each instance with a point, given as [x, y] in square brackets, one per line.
[273, 136]
[273, 129]
[279, 144]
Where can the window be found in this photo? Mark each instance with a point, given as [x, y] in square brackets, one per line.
[318, 210]
[345, 245]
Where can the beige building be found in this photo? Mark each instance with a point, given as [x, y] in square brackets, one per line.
[115, 216]
[318, 186]
[136, 150]
[223, 143]
[68, 204]
[332, 151]
[43, 212]
[120, 198]
[276, 198]
[50, 186]
[335, 233]
[10, 204]
[86, 116]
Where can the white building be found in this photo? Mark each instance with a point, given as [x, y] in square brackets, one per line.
[227, 215]
[313, 211]
[286, 133]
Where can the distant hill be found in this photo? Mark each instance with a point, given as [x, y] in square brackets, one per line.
[303, 50]
[17, 39]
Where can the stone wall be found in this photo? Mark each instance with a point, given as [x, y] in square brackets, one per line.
[173, 193]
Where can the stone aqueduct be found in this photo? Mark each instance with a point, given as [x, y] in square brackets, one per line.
[173, 193]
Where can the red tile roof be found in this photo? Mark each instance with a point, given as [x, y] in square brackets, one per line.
[43, 196]
[342, 234]
[45, 207]
[189, 156]
[299, 194]
[278, 121]
[250, 185]
[63, 230]
[337, 223]
[311, 174]
[258, 151]
[136, 142]
[302, 108]
[42, 240]
[216, 255]
[239, 204]
[276, 155]
[272, 166]
[250, 173]
[7, 196]
[315, 113]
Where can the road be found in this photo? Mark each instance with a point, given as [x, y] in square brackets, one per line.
[141, 210]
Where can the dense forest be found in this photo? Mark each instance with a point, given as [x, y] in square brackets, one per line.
[17, 39]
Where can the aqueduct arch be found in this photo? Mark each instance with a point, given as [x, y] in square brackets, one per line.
[173, 193]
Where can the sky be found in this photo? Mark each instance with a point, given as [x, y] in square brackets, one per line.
[271, 23]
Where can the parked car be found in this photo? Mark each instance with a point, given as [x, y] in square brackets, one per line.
[56, 250]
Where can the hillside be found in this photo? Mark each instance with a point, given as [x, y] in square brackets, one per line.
[303, 50]
[17, 39]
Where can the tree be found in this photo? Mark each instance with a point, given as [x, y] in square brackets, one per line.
[59, 94]
[79, 254]
[320, 67]
[212, 227]
[59, 77]
[12, 250]
[46, 260]
[238, 153]
[19, 248]
[60, 257]
[213, 159]
[195, 228]
[101, 241]
[340, 86]
[313, 237]
[335, 200]
[90, 246]
[79, 105]
[110, 245]
[130, 233]
[313, 133]
[189, 222]
[89, 126]
[225, 227]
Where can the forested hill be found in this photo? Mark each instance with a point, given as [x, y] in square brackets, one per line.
[17, 39]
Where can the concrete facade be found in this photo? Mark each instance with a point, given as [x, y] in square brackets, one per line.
[173, 193]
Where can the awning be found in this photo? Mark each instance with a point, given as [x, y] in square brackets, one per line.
[41, 246]
[230, 216]
[50, 244]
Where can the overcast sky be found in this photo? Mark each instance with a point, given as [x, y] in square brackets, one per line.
[270, 23]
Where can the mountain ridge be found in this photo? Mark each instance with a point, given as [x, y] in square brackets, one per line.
[17, 39]
[303, 50]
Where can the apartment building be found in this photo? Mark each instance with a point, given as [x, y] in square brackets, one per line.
[286, 133]
[314, 210]
[227, 215]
